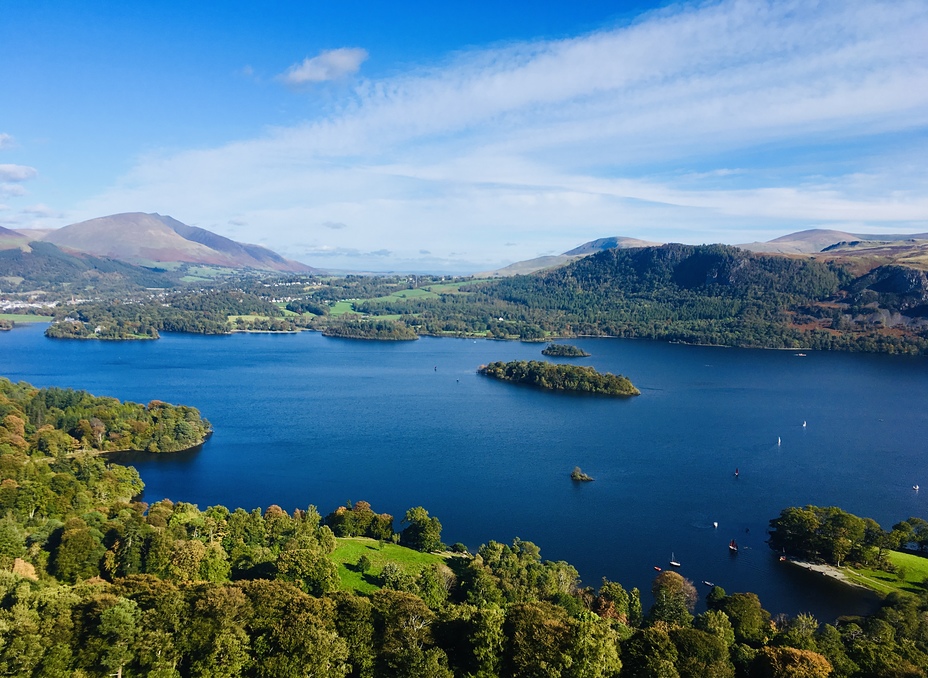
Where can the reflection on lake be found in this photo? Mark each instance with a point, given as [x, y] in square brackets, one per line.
[303, 419]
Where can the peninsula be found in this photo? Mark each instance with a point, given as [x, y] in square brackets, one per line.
[560, 377]
[58, 421]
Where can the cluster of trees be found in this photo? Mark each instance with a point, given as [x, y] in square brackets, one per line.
[564, 351]
[382, 330]
[836, 536]
[250, 324]
[56, 422]
[360, 520]
[560, 377]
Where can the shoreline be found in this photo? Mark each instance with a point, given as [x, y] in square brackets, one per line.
[832, 572]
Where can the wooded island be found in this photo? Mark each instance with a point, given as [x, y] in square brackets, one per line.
[560, 377]
[564, 351]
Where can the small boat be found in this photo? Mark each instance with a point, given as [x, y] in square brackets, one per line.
[707, 583]
[803, 423]
[657, 568]
[733, 546]
[715, 524]
[800, 355]
[778, 440]
[915, 487]
[737, 473]
[673, 561]
[782, 559]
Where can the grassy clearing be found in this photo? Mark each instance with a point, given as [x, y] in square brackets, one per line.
[20, 318]
[417, 293]
[455, 287]
[341, 308]
[350, 549]
[913, 567]
[249, 318]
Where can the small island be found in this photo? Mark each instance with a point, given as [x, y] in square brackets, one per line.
[564, 351]
[560, 377]
[579, 475]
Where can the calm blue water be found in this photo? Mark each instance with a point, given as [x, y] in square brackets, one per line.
[303, 419]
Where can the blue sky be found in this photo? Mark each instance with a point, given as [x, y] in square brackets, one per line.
[456, 137]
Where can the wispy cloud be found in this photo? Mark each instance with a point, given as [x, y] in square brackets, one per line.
[43, 211]
[818, 107]
[328, 65]
[11, 176]
[17, 172]
[6, 140]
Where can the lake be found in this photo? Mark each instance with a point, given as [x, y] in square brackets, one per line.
[303, 419]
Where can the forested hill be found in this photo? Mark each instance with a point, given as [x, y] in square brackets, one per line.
[670, 272]
[714, 294]
[42, 265]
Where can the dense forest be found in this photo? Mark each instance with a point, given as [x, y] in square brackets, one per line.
[94, 583]
[556, 377]
[383, 330]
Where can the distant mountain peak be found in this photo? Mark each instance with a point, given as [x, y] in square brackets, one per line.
[613, 242]
[140, 238]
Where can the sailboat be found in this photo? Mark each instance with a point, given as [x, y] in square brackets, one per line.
[673, 561]
[778, 440]
[733, 546]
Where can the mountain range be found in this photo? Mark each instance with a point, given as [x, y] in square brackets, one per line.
[154, 241]
[862, 251]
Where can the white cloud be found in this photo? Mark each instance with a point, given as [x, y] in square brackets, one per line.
[821, 108]
[6, 141]
[17, 173]
[328, 65]
[11, 176]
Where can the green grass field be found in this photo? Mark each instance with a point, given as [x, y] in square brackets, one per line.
[914, 567]
[18, 318]
[341, 308]
[350, 549]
